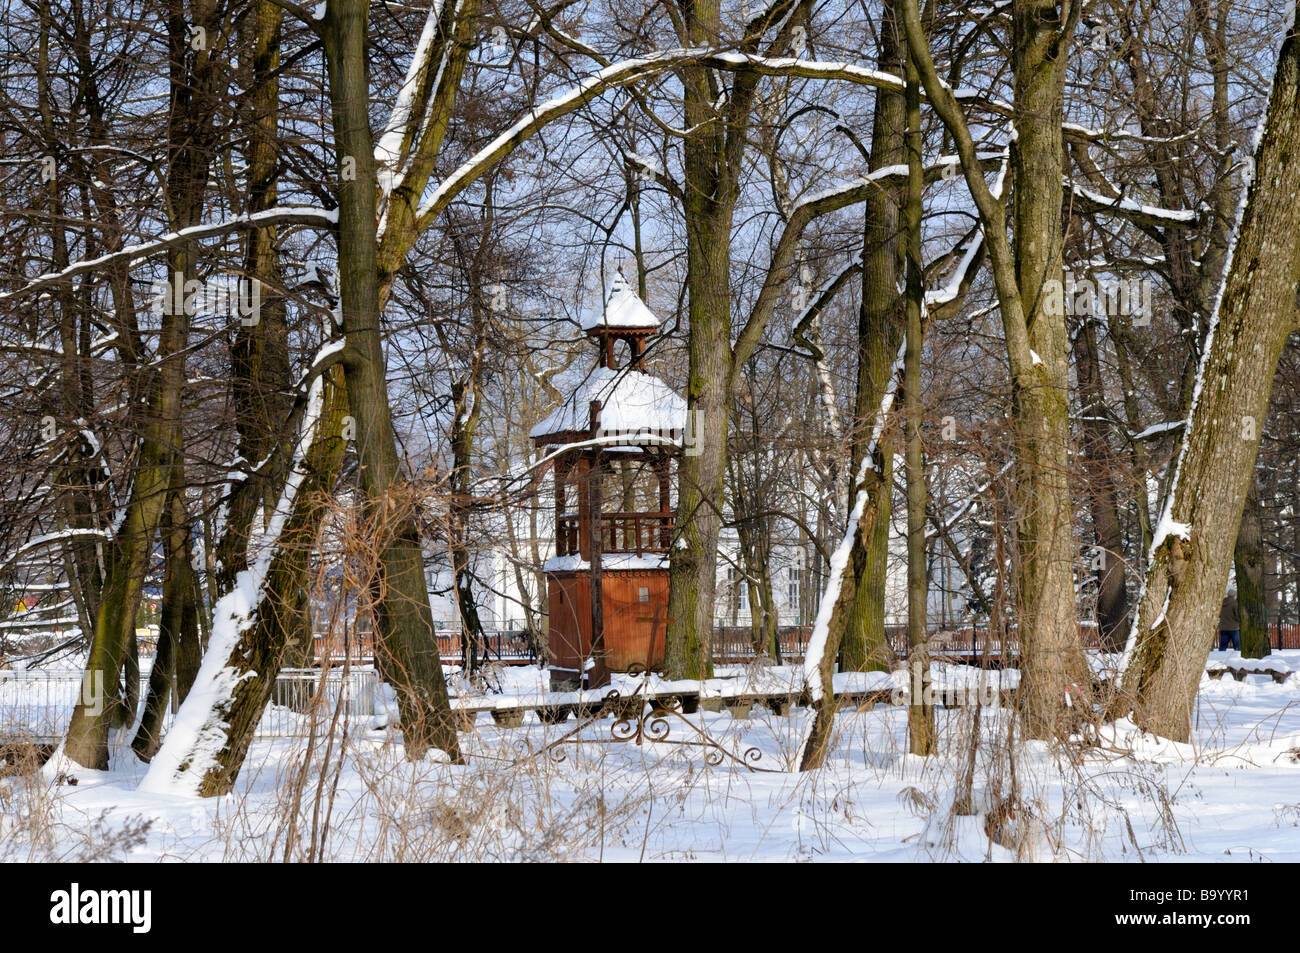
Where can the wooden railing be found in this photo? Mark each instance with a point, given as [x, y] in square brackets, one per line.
[1284, 635]
[638, 533]
[734, 643]
[496, 645]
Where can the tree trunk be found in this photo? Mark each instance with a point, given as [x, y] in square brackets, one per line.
[920, 718]
[692, 571]
[404, 619]
[857, 611]
[832, 615]
[81, 499]
[195, 88]
[865, 646]
[178, 636]
[465, 397]
[261, 378]
[1051, 658]
[1101, 472]
[1256, 312]
[1052, 662]
[255, 623]
[1248, 557]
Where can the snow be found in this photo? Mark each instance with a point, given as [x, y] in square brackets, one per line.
[135, 254]
[199, 732]
[388, 148]
[814, 68]
[1227, 796]
[1168, 525]
[1157, 429]
[840, 558]
[617, 74]
[952, 289]
[44, 539]
[623, 310]
[631, 403]
[1172, 216]
[607, 561]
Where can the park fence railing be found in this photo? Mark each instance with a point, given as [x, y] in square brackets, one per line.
[36, 704]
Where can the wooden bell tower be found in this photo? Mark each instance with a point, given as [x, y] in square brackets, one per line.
[615, 437]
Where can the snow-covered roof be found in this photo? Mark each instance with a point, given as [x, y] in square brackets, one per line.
[624, 311]
[631, 403]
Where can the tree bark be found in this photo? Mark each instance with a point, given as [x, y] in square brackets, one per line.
[1248, 557]
[1101, 473]
[865, 646]
[178, 652]
[1051, 658]
[1256, 312]
[261, 378]
[255, 623]
[1052, 662]
[920, 717]
[713, 152]
[404, 619]
[194, 91]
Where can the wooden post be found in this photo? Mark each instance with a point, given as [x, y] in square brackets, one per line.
[584, 507]
[665, 508]
[599, 674]
[561, 543]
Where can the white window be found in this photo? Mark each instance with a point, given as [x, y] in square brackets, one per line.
[736, 587]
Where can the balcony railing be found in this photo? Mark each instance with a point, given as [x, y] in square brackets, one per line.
[638, 533]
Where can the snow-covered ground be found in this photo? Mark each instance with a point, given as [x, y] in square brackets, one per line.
[1233, 794]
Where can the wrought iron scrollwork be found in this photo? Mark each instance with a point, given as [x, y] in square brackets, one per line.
[639, 719]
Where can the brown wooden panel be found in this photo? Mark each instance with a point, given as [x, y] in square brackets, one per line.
[569, 607]
[634, 630]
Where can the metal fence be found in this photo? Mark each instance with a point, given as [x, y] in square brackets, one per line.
[35, 705]
[735, 643]
[1284, 635]
[511, 646]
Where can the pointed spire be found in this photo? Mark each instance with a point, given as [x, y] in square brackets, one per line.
[624, 310]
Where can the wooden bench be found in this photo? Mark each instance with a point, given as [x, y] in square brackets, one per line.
[1239, 672]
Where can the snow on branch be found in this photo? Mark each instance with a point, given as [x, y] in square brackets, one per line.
[965, 505]
[45, 539]
[134, 254]
[611, 77]
[393, 144]
[1156, 430]
[190, 749]
[840, 558]
[809, 69]
[1149, 215]
[818, 303]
